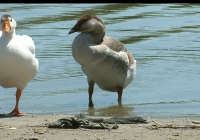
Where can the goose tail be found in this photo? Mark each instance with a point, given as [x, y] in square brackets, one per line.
[131, 70]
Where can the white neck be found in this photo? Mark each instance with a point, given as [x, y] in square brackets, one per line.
[9, 35]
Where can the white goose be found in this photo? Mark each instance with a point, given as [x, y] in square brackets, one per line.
[18, 64]
[104, 60]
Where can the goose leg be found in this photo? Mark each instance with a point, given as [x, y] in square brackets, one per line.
[16, 111]
[90, 91]
[119, 91]
[120, 105]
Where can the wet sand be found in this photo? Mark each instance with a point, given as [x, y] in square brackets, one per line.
[35, 127]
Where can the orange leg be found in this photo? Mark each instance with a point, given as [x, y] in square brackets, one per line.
[15, 111]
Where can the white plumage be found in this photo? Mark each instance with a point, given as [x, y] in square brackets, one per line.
[18, 64]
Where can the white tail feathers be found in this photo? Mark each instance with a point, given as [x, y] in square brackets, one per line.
[130, 57]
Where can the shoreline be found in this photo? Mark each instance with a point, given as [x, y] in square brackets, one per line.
[35, 127]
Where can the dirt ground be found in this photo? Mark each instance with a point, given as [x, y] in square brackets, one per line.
[35, 127]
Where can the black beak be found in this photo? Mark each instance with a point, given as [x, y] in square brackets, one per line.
[72, 30]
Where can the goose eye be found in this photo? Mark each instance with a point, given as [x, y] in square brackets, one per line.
[11, 19]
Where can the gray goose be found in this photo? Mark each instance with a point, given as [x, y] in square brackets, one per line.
[103, 59]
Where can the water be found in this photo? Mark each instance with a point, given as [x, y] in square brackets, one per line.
[164, 39]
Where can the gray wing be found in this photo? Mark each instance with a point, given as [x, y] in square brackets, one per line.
[114, 44]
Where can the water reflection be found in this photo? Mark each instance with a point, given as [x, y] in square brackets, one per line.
[115, 110]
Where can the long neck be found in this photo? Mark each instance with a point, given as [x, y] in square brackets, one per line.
[98, 33]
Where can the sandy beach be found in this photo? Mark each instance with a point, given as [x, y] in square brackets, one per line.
[35, 127]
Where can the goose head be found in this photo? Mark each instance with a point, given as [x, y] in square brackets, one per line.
[8, 24]
[90, 24]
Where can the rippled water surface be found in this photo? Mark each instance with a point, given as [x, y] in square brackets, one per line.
[164, 39]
